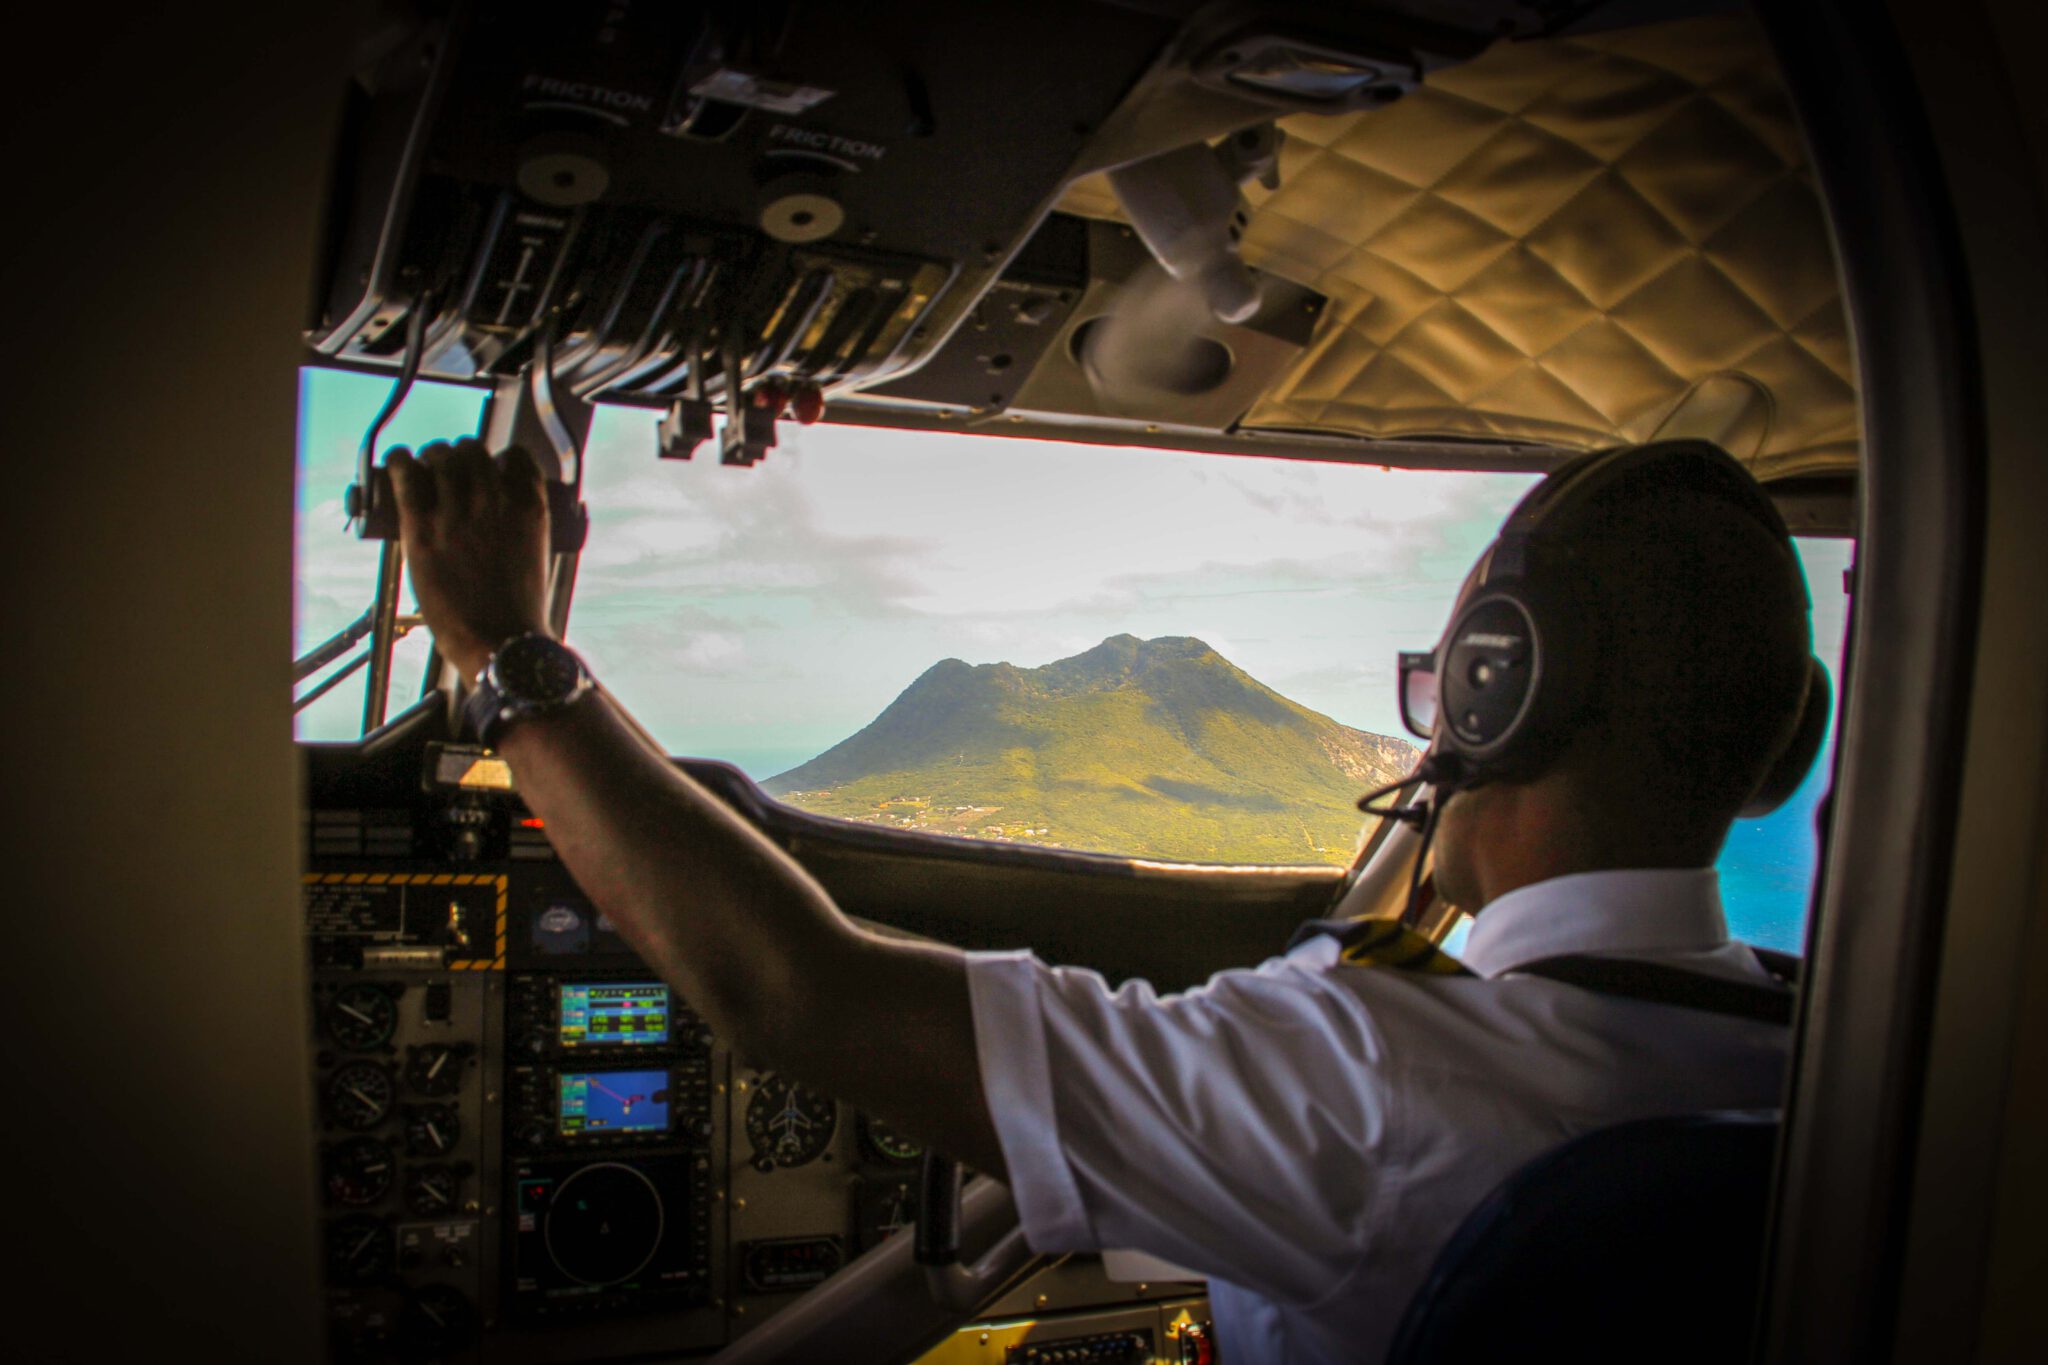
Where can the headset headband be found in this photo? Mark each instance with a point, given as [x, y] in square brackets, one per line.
[1576, 483]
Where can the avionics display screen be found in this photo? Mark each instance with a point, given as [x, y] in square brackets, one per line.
[613, 1102]
[613, 1014]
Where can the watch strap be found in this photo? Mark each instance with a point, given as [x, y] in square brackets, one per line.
[496, 702]
[483, 712]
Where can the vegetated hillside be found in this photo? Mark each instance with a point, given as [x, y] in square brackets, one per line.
[1157, 748]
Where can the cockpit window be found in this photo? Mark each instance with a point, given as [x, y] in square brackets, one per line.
[1144, 652]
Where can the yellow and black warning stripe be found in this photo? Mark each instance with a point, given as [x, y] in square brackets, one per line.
[491, 961]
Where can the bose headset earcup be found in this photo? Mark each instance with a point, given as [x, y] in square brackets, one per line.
[1507, 679]
[1791, 765]
[1488, 674]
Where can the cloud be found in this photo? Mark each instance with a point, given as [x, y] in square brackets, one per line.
[706, 533]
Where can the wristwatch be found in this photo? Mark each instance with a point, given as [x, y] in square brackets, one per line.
[530, 675]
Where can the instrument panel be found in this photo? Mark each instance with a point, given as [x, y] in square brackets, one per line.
[531, 1148]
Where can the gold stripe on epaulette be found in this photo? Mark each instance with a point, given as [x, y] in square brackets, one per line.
[1389, 943]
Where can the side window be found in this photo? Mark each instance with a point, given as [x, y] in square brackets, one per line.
[335, 574]
[1768, 866]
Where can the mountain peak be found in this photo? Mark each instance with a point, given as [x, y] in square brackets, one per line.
[1159, 748]
[1124, 655]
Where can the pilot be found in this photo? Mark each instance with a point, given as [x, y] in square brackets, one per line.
[1626, 668]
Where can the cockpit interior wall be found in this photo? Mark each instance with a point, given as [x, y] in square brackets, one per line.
[161, 1185]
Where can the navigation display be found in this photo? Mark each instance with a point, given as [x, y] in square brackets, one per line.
[613, 1102]
[613, 1014]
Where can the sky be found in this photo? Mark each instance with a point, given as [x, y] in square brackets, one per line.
[762, 615]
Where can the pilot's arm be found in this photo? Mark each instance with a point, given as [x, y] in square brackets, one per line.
[743, 932]
[1226, 1129]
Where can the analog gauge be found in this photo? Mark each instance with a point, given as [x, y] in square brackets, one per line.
[884, 1143]
[432, 1191]
[359, 1249]
[360, 1171]
[359, 1096]
[885, 1207]
[437, 1322]
[435, 1069]
[788, 1124]
[431, 1130]
[362, 1017]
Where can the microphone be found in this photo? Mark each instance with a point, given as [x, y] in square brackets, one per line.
[1445, 772]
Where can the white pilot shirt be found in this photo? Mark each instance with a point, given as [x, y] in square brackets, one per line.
[1308, 1135]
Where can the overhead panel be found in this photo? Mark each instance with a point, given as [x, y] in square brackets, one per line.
[1575, 242]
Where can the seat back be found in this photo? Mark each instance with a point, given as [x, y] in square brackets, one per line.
[1643, 1241]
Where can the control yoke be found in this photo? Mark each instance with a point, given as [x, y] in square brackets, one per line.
[961, 1288]
[525, 410]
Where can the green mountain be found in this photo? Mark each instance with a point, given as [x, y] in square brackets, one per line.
[1153, 748]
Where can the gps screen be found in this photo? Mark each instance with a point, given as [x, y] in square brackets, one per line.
[614, 1014]
[613, 1102]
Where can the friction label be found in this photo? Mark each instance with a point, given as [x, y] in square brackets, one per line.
[582, 92]
[819, 141]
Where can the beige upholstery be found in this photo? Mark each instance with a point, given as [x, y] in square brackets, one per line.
[1574, 242]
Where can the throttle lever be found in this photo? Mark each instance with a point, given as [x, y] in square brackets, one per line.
[938, 1211]
[960, 1288]
[376, 516]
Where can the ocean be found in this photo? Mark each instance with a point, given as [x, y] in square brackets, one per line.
[1767, 868]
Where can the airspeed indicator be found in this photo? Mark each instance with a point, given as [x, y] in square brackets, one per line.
[361, 1017]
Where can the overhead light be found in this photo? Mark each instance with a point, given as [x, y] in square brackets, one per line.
[1306, 75]
[1295, 73]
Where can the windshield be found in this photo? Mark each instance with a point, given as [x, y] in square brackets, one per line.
[1152, 653]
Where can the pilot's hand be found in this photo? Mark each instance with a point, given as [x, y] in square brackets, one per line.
[475, 530]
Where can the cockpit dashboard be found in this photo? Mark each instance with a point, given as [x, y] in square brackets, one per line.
[531, 1149]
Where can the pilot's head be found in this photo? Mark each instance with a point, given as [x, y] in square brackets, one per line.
[1628, 667]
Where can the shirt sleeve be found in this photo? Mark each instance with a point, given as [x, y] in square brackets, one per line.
[1232, 1129]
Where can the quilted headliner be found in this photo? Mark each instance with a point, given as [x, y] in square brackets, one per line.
[1573, 242]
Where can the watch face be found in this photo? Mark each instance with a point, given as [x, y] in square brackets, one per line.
[536, 671]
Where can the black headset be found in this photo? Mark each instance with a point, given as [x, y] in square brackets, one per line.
[1513, 671]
